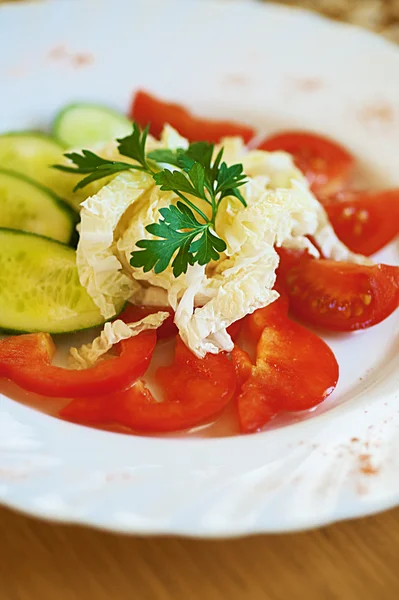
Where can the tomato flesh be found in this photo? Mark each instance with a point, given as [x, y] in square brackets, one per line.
[275, 312]
[294, 369]
[326, 164]
[289, 258]
[364, 221]
[235, 328]
[148, 110]
[342, 296]
[194, 389]
[26, 360]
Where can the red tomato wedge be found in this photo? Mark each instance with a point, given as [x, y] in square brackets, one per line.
[242, 365]
[289, 258]
[26, 360]
[133, 313]
[235, 328]
[148, 110]
[326, 164]
[294, 370]
[342, 296]
[364, 221]
[273, 313]
[194, 391]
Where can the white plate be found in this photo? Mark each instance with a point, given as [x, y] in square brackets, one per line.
[271, 67]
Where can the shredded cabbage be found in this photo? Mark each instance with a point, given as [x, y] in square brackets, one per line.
[113, 333]
[100, 271]
[281, 211]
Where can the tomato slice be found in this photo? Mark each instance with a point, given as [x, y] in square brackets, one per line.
[148, 110]
[294, 370]
[194, 391]
[235, 328]
[364, 221]
[326, 164]
[133, 313]
[289, 258]
[275, 312]
[26, 360]
[242, 365]
[342, 296]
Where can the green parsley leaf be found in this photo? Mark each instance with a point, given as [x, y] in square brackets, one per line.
[201, 152]
[197, 152]
[85, 162]
[236, 192]
[216, 164]
[228, 177]
[207, 247]
[196, 175]
[182, 237]
[133, 146]
[175, 181]
[164, 155]
[94, 165]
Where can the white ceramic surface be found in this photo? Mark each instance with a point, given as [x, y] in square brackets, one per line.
[271, 67]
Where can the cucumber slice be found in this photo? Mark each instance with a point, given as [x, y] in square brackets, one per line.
[85, 125]
[40, 288]
[29, 206]
[32, 154]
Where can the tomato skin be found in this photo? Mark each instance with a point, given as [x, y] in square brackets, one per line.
[146, 109]
[133, 313]
[294, 370]
[364, 221]
[26, 360]
[194, 391]
[326, 164]
[342, 296]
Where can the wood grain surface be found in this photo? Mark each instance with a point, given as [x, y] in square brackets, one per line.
[347, 561]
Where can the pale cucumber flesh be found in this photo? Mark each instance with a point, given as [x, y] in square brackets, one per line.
[33, 154]
[88, 125]
[28, 206]
[40, 288]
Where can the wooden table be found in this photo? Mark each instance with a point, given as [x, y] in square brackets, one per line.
[348, 561]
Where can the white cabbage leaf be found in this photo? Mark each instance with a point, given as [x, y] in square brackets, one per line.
[100, 271]
[87, 355]
[281, 211]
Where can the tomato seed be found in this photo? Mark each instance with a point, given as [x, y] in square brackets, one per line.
[366, 299]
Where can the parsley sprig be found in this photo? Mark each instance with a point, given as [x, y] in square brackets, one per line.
[184, 235]
[132, 146]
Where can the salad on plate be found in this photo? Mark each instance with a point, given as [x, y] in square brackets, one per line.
[201, 263]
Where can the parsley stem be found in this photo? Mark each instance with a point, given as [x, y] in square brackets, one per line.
[214, 208]
[192, 205]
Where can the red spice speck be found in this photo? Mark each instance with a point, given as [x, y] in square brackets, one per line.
[236, 79]
[82, 59]
[380, 112]
[78, 59]
[307, 84]
[366, 466]
[58, 52]
[354, 440]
